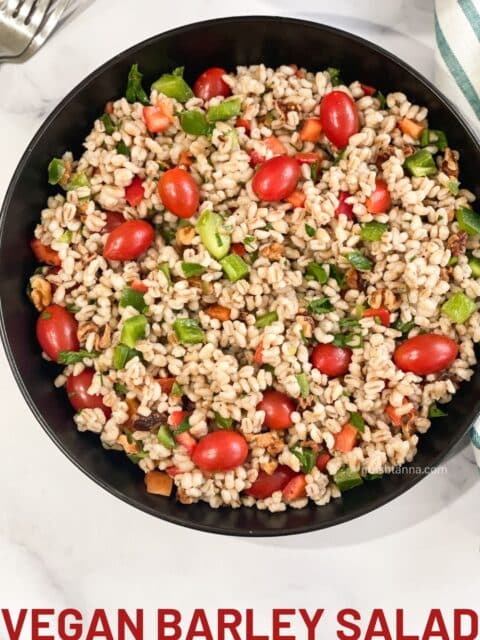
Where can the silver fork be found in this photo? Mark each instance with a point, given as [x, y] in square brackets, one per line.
[19, 22]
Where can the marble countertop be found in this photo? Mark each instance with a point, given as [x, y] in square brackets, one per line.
[65, 542]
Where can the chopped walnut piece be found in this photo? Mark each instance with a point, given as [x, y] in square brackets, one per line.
[306, 403]
[84, 328]
[445, 273]
[307, 324]
[450, 163]
[353, 279]
[390, 150]
[273, 251]
[183, 497]
[41, 292]
[457, 243]
[128, 447]
[185, 235]
[269, 467]
[384, 298]
[269, 440]
[204, 285]
[104, 338]
[65, 179]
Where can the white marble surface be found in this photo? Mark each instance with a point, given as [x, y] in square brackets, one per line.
[65, 542]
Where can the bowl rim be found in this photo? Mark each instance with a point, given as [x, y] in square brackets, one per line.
[48, 121]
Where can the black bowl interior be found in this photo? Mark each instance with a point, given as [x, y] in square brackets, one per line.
[226, 43]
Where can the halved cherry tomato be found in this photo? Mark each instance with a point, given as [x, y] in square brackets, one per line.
[331, 360]
[220, 451]
[57, 331]
[276, 146]
[173, 471]
[339, 117]
[276, 178]
[380, 200]
[187, 441]
[176, 418]
[255, 159]
[411, 128]
[211, 84]
[114, 220]
[45, 254]
[396, 418]
[382, 314]
[344, 207]
[185, 159]
[134, 192]
[323, 459]
[368, 90]
[297, 198]
[179, 192]
[246, 124]
[278, 408]
[137, 285]
[311, 130]
[258, 356]
[159, 117]
[426, 353]
[239, 249]
[346, 439]
[295, 489]
[129, 240]
[166, 384]
[77, 391]
[265, 485]
[307, 157]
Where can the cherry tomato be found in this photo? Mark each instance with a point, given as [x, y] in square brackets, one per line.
[322, 460]
[255, 159]
[331, 360]
[246, 124]
[265, 485]
[220, 451]
[426, 353]
[368, 90]
[134, 192]
[211, 84]
[278, 409]
[45, 254]
[258, 355]
[138, 285]
[307, 157]
[295, 489]
[382, 314]
[114, 220]
[344, 207]
[239, 249]
[339, 118]
[276, 178]
[380, 200]
[77, 390]
[129, 240]
[157, 118]
[179, 192]
[57, 331]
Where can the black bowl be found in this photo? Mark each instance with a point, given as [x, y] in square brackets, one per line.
[227, 43]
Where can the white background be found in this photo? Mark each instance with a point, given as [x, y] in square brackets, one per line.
[65, 542]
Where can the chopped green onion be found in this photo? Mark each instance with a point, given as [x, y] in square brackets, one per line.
[234, 267]
[195, 123]
[122, 354]
[306, 456]
[314, 171]
[167, 232]
[135, 91]
[303, 383]
[210, 228]
[78, 180]
[132, 298]
[188, 331]
[177, 390]
[66, 237]
[403, 327]
[359, 311]
[381, 98]
[338, 275]
[459, 307]
[373, 476]
[320, 305]
[72, 308]
[334, 74]
[357, 421]
[310, 231]
[266, 319]
[165, 437]
[340, 156]
[270, 117]
[73, 357]
[164, 267]
[359, 261]
[182, 427]
[468, 220]
[434, 137]
[348, 340]
[133, 330]
[56, 169]
[223, 423]
[225, 110]
[421, 164]
[453, 261]
[136, 457]
[453, 186]
[348, 322]
[346, 479]
[373, 231]
[120, 389]
[191, 269]
[107, 123]
[122, 149]
[173, 85]
[268, 367]
[435, 412]
[317, 272]
[474, 264]
[248, 240]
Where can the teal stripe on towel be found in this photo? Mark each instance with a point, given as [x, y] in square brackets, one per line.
[472, 15]
[456, 69]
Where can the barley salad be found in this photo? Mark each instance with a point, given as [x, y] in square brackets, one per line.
[262, 288]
